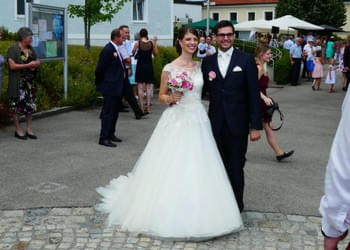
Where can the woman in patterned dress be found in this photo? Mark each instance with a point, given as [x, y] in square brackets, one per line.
[23, 64]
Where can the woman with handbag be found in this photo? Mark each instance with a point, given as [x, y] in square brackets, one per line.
[263, 55]
[23, 64]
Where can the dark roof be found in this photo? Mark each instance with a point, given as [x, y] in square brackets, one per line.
[236, 2]
[187, 2]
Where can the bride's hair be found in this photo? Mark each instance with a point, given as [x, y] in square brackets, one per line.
[182, 32]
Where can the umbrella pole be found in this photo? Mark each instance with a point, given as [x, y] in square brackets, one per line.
[208, 17]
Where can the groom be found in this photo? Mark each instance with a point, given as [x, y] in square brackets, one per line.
[110, 76]
[231, 80]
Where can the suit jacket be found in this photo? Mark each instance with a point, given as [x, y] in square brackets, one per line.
[234, 98]
[347, 56]
[110, 73]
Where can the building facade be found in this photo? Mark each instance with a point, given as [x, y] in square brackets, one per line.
[241, 10]
[185, 11]
[154, 15]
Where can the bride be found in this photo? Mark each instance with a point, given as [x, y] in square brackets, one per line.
[178, 188]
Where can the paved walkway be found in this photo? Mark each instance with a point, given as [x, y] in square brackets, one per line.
[83, 228]
[47, 187]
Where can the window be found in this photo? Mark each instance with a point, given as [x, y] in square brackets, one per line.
[268, 15]
[233, 16]
[138, 10]
[20, 7]
[216, 16]
[251, 16]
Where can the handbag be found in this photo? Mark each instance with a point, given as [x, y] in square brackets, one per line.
[270, 112]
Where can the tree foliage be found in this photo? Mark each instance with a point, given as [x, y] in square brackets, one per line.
[330, 12]
[93, 12]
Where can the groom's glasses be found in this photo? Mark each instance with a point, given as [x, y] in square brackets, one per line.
[222, 35]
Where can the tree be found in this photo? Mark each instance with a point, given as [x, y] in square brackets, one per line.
[95, 11]
[330, 12]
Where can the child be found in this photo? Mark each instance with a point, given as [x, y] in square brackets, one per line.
[317, 73]
[330, 80]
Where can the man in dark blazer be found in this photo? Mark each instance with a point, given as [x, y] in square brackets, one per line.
[346, 61]
[231, 79]
[110, 76]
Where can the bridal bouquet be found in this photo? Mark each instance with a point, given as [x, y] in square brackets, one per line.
[180, 83]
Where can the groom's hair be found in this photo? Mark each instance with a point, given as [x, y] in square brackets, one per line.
[222, 24]
[115, 33]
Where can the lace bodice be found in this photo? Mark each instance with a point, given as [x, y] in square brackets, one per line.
[195, 73]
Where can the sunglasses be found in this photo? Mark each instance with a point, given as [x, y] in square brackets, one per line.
[225, 35]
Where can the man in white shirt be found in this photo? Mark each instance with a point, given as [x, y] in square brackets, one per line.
[310, 51]
[126, 53]
[335, 204]
[288, 43]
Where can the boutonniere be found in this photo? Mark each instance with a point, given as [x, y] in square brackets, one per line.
[212, 75]
[115, 54]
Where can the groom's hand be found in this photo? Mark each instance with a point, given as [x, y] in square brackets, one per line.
[254, 135]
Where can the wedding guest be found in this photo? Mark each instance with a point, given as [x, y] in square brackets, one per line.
[317, 73]
[202, 48]
[330, 48]
[295, 59]
[347, 64]
[341, 67]
[144, 68]
[211, 49]
[126, 52]
[134, 63]
[263, 56]
[2, 61]
[288, 43]
[331, 78]
[310, 51]
[23, 64]
[335, 204]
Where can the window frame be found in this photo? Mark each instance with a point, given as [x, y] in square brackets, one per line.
[233, 13]
[251, 12]
[268, 11]
[145, 12]
[21, 16]
[216, 13]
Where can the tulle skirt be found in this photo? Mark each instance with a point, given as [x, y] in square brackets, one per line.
[178, 188]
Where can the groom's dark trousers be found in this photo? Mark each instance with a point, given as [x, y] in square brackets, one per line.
[234, 109]
[110, 76]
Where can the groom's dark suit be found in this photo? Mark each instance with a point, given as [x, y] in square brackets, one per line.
[110, 75]
[234, 109]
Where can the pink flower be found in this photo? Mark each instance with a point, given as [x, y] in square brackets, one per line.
[115, 54]
[212, 75]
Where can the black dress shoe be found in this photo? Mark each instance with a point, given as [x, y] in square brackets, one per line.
[284, 155]
[22, 137]
[115, 139]
[31, 136]
[107, 143]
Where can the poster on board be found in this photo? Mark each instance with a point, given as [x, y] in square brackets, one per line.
[47, 24]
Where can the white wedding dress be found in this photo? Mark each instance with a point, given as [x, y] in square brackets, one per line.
[178, 188]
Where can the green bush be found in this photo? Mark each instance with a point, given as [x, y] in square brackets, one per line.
[165, 56]
[282, 68]
[81, 77]
[7, 35]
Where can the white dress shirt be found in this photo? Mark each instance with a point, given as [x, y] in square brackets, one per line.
[224, 59]
[335, 204]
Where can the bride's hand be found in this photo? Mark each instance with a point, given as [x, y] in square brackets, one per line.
[176, 97]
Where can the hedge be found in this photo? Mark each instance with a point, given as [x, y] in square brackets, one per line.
[81, 68]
